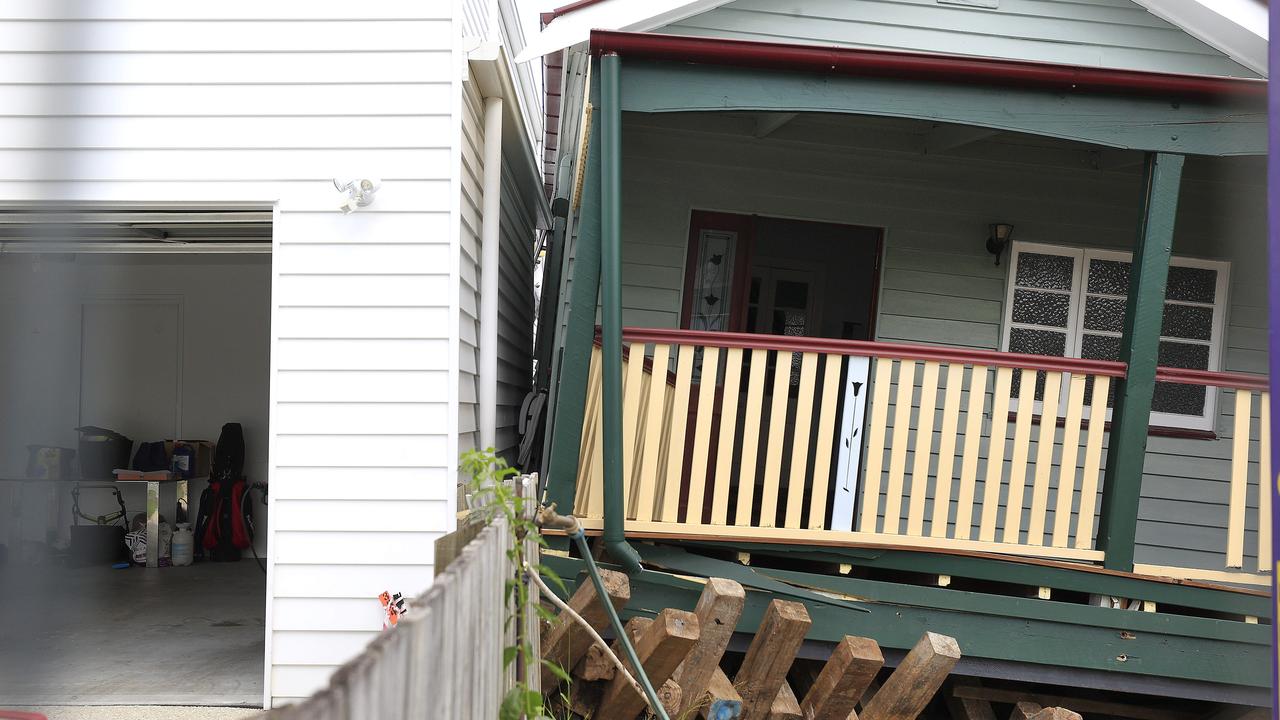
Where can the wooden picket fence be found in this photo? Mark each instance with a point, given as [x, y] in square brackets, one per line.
[444, 659]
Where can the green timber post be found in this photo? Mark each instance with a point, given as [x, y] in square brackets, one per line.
[1139, 350]
[580, 330]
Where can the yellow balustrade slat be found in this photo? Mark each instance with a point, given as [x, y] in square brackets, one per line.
[750, 437]
[995, 454]
[632, 395]
[590, 426]
[878, 415]
[1018, 463]
[947, 449]
[1265, 481]
[825, 441]
[595, 481]
[1239, 478]
[654, 430]
[728, 430]
[972, 452]
[702, 433]
[676, 439]
[1092, 462]
[924, 448]
[1044, 459]
[800, 438]
[777, 439]
[898, 449]
[1070, 453]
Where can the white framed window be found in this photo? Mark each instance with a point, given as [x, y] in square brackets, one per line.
[1069, 302]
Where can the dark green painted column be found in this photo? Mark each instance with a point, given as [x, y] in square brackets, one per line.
[1139, 350]
[580, 330]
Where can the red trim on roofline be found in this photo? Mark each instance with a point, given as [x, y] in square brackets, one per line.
[566, 9]
[916, 66]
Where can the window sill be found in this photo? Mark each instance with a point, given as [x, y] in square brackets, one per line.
[1152, 431]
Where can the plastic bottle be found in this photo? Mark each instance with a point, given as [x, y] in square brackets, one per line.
[183, 545]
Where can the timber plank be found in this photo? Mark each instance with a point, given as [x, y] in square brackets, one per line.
[718, 610]
[564, 642]
[720, 689]
[785, 706]
[1056, 713]
[843, 680]
[1024, 710]
[661, 647]
[969, 708]
[772, 650]
[913, 683]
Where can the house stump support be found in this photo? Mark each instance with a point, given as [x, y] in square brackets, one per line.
[764, 669]
[1139, 350]
[564, 642]
[719, 608]
[580, 332]
[913, 683]
[843, 680]
[660, 646]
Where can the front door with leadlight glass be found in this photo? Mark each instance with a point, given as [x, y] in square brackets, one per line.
[781, 301]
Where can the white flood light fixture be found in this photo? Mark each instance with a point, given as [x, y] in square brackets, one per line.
[359, 193]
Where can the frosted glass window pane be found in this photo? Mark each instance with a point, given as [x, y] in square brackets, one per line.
[1187, 321]
[1041, 308]
[1110, 277]
[1178, 399]
[1051, 272]
[1104, 314]
[1184, 355]
[1037, 342]
[1100, 347]
[1191, 284]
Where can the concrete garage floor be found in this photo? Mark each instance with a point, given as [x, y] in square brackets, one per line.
[164, 636]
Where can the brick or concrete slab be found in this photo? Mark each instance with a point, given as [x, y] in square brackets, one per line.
[96, 636]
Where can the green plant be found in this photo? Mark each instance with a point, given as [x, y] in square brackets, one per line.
[494, 493]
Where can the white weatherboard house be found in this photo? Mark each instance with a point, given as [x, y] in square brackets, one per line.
[173, 258]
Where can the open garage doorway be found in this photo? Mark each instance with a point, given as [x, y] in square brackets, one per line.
[134, 325]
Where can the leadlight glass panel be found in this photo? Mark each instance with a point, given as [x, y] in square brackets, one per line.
[1041, 308]
[1050, 272]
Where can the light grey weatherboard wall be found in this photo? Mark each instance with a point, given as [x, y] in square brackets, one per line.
[938, 284]
[1098, 33]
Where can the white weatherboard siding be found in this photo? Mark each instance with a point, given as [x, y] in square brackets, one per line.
[247, 102]
[1098, 33]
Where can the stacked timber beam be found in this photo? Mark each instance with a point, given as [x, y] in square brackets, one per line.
[682, 653]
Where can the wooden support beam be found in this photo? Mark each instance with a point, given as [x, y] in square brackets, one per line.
[564, 642]
[719, 690]
[661, 648]
[967, 690]
[1024, 710]
[850, 669]
[595, 665]
[913, 683]
[769, 123]
[770, 655]
[785, 706]
[1056, 713]
[671, 696]
[718, 610]
[969, 708]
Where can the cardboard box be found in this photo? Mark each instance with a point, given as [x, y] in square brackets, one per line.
[203, 457]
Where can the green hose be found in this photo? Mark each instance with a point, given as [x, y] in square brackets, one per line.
[636, 667]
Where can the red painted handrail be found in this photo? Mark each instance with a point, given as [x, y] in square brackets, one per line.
[865, 348]
[1238, 381]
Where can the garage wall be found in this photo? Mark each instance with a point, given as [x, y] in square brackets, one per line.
[222, 362]
[246, 102]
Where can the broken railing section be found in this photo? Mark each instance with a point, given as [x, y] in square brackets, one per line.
[682, 651]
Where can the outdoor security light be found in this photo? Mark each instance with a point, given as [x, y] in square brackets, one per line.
[997, 238]
[359, 193]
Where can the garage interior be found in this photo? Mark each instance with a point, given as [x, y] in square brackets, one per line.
[153, 322]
